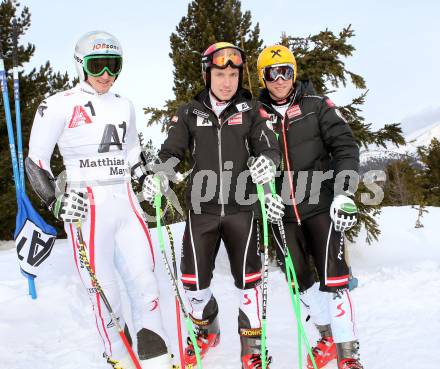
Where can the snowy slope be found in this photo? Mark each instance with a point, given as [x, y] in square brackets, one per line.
[420, 137]
[397, 306]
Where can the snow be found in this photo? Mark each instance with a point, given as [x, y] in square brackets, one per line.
[397, 305]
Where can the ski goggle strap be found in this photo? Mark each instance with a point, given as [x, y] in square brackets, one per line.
[228, 56]
[96, 65]
[284, 71]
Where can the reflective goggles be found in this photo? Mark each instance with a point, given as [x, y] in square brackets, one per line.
[96, 65]
[284, 71]
[228, 56]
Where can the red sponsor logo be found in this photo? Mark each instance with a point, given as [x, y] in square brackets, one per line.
[341, 310]
[293, 111]
[236, 119]
[154, 304]
[247, 299]
[79, 117]
[263, 113]
[330, 103]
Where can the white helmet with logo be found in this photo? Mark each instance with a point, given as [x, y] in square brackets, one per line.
[95, 43]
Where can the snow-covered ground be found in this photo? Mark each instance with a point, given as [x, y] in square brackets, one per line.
[397, 306]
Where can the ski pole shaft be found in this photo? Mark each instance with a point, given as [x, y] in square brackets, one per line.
[178, 320]
[260, 194]
[9, 126]
[84, 259]
[189, 325]
[296, 302]
[16, 174]
[17, 102]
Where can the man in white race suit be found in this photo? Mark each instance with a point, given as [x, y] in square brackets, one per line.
[95, 131]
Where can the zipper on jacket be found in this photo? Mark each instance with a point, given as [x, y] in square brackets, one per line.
[220, 162]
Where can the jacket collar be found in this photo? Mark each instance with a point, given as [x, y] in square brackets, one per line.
[302, 87]
[240, 102]
[88, 89]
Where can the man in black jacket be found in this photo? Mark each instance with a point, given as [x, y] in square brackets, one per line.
[320, 159]
[222, 128]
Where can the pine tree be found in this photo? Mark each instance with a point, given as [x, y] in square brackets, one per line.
[403, 185]
[320, 59]
[430, 179]
[35, 85]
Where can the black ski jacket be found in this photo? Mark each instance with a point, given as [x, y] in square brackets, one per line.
[318, 139]
[223, 146]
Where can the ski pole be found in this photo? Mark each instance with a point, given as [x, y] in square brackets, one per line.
[290, 272]
[84, 259]
[179, 324]
[260, 193]
[17, 103]
[17, 181]
[189, 325]
[294, 292]
[31, 281]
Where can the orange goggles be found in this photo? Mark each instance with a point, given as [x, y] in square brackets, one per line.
[228, 56]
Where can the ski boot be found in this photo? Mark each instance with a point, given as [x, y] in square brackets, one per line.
[207, 336]
[251, 349]
[325, 349]
[348, 355]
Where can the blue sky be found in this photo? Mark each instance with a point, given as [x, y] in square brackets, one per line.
[397, 47]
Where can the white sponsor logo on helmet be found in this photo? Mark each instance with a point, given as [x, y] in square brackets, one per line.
[104, 44]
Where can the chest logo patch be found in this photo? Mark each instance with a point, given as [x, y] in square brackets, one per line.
[79, 117]
[242, 106]
[293, 111]
[236, 119]
[203, 122]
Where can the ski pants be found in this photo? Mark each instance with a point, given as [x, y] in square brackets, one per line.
[201, 242]
[316, 237]
[117, 241]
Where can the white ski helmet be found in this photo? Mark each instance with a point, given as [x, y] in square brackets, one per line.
[95, 43]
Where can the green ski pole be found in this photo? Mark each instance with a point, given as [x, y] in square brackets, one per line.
[260, 193]
[294, 292]
[188, 322]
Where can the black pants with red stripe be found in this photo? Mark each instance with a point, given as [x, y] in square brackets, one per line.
[316, 237]
[201, 242]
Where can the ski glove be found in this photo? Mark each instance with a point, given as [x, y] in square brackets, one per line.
[150, 187]
[343, 213]
[262, 170]
[71, 207]
[274, 207]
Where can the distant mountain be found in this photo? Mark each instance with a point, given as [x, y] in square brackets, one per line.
[377, 157]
